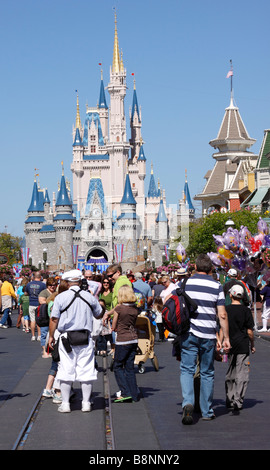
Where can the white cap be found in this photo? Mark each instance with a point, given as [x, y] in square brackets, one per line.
[237, 291]
[232, 272]
[181, 272]
[73, 276]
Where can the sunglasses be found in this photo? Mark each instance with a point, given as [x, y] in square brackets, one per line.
[110, 275]
[106, 282]
[88, 277]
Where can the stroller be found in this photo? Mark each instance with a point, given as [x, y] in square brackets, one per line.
[146, 338]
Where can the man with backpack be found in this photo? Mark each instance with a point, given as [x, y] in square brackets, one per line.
[201, 339]
[72, 315]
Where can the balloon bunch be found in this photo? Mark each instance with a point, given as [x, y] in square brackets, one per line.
[181, 254]
[241, 250]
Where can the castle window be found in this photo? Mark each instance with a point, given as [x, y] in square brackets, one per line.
[93, 149]
[93, 138]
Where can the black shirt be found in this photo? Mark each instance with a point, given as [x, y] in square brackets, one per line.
[240, 320]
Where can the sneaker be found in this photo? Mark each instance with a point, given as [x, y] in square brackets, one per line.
[3, 326]
[86, 406]
[38, 338]
[187, 414]
[262, 330]
[208, 418]
[33, 338]
[57, 399]
[64, 408]
[47, 393]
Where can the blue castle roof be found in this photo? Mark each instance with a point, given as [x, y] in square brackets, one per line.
[152, 191]
[102, 98]
[128, 197]
[188, 198]
[77, 139]
[36, 204]
[161, 217]
[135, 107]
[63, 197]
[141, 155]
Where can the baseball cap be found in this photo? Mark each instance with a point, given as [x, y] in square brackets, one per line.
[237, 291]
[232, 272]
[73, 275]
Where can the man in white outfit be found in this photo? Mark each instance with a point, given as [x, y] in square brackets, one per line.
[72, 316]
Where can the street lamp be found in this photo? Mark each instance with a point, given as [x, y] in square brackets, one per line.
[229, 223]
[39, 265]
[163, 257]
[153, 263]
[30, 260]
[44, 258]
[145, 255]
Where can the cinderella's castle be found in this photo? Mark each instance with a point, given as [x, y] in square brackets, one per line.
[109, 217]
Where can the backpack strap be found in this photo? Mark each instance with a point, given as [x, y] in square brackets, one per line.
[76, 295]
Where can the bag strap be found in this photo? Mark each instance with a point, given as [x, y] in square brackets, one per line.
[76, 295]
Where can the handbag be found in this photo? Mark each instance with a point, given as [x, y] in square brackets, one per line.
[55, 351]
[78, 337]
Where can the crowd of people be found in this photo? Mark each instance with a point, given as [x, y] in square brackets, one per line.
[95, 314]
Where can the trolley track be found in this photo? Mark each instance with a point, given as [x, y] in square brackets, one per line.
[28, 425]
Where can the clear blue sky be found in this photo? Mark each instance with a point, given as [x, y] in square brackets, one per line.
[180, 53]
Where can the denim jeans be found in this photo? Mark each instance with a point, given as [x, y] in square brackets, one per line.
[5, 318]
[194, 347]
[124, 371]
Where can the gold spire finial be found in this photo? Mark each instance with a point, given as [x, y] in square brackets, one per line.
[186, 175]
[62, 163]
[116, 57]
[152, 171]
[78, 119]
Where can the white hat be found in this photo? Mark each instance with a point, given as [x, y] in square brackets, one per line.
[181, 272]
[232, 272]
[73, 276]
[237, 291]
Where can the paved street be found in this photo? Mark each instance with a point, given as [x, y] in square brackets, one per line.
[154, 423]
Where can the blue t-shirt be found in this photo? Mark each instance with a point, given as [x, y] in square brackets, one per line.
[33, 288]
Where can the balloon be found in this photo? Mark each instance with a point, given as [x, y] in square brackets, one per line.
[218, 240]
[214, 257]
[181, 253]
[262, 226]
[239, 263]
[244, 235]
[231, 240]
[227, 254]
[243, 250]
[267, 240]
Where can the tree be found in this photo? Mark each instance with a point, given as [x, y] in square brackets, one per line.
[202, 230]
[10, 246]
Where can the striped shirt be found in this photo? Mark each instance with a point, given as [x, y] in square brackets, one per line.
[208, 294]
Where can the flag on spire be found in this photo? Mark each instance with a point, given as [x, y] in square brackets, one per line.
[229, 74]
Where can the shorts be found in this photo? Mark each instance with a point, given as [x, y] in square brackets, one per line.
[32, 313]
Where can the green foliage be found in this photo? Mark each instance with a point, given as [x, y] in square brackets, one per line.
[202, 230]
[10, 245]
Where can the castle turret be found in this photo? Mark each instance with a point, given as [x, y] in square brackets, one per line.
[128, 225]
[33, 224]
[64, 224]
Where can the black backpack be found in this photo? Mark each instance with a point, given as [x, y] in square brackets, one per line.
[177, 311]
[42, 315]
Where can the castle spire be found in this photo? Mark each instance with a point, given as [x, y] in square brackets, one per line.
[78, 119]
[116, 56]
[102, 99]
